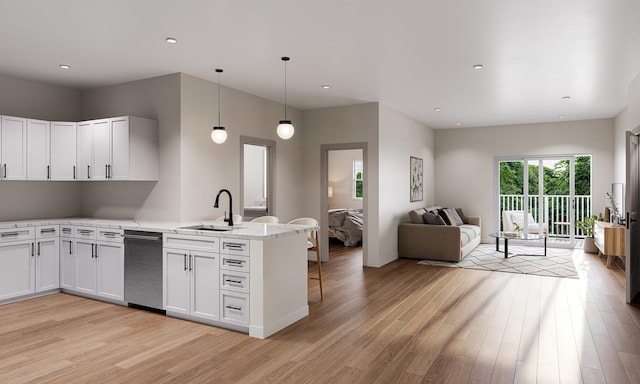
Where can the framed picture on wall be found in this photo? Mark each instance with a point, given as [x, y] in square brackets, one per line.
[415, 179]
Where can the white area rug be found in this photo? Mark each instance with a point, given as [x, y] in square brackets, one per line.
[558, 262]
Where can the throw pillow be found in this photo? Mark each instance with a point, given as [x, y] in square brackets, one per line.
[433, 218]
[416, 216]
[462, 216]
[452, 217]
[443, 215]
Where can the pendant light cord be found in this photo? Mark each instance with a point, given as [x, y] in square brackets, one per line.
[285, 90]
[219, 72]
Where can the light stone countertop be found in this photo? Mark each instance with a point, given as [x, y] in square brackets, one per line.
[248, 230]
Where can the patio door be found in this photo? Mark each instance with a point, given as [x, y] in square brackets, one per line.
[545, 195]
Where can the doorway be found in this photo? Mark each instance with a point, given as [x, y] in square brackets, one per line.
[344, 191]
[256, 177]
[551, 192]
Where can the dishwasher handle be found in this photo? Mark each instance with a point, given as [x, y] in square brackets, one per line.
[142, 237]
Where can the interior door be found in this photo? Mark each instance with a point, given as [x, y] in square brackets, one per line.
[632, 252]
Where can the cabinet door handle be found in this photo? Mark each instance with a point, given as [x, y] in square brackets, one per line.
[185, 262]
[74, 172]
[233, 281]
[38, 248]
[5, 170]
[88, 171]
[106, 171]
[233, 307]
[190, 265]
[109, 168]
[70, 248]
[31, 249]
[96, 245]
[9, 234]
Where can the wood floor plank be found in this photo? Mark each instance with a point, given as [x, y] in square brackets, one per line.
[402, 323]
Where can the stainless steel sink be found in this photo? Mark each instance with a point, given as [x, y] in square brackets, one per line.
[202, 227]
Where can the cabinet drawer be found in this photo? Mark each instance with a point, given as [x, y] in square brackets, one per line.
[16, 234]
[234, 246]
[234, 281]
[84, 232]
[190, 242]
[108, 234]
[234, 263]
[235, 308]
[45, 231]
[66, 231]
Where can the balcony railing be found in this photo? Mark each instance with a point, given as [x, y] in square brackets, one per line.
[556, 211]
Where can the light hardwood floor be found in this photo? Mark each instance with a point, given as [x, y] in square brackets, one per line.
[403, 323]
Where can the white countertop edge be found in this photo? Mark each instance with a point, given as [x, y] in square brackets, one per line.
[246, 230]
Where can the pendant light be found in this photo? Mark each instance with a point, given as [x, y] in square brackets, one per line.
[285, 128]
[219, 134]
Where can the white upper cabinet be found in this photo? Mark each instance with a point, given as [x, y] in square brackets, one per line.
[13, 148]
[84, 155]
[38, 139]
[63, 150]
[121, 148]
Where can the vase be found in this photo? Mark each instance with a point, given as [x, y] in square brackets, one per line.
[589, 245]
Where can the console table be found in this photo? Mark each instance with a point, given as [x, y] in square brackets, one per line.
[610, 240]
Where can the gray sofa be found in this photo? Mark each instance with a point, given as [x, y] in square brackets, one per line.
[437, 242]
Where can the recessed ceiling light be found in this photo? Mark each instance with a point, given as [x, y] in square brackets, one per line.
[457, 124]
[64, 66]
[478, 66]
[326, 86]
[437, 109]
[171, 40]
[566, 97]
[561, 116]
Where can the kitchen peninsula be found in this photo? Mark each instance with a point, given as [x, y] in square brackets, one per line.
[252, 278]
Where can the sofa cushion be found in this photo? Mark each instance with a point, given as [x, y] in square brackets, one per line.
[433, 218]
[416, 215]
[468, 233]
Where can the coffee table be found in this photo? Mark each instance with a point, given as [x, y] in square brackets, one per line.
[506, 236]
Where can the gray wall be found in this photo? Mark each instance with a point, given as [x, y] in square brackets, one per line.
[156, 98]
[207, 167]
[464, 167]
[29, 199]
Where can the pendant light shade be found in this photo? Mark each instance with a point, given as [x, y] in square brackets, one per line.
[218, 133]
[285, 128]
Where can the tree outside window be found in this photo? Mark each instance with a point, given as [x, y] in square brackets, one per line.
[358, 180]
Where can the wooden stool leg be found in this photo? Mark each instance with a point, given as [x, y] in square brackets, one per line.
[609, 261]
[319, 266]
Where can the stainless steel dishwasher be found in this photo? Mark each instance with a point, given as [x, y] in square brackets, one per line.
[143, 269]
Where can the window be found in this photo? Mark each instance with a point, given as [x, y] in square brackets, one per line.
[358, 180]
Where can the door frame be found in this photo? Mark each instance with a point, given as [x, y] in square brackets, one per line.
[271, 171]
[324, 200]
[632, 205]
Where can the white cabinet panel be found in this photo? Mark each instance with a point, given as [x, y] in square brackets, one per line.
[38, 143]
[63, 150]
[85, 267]
[13, 148]
[110, 270]
[84, 148]
[67, 280]
[205, 277]
[47, 264]
[120, 149]
[16, 273]
[176, 284]
[101, 149]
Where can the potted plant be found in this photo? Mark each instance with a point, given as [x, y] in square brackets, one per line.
[586, 226]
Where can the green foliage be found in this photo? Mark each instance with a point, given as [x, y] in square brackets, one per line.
[556, 179]
[586, 225]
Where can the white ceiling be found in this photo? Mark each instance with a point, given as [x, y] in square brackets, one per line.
[411, 55]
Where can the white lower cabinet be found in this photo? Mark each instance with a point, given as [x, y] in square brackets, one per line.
[67, 265]
[234, 282]
[99, 264]
[47, 259]
[191, 284]
[191, 277]
[16, 265]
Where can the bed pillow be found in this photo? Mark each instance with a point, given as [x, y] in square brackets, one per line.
[433, 218]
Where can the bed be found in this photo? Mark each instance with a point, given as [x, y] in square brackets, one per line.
[346, 225]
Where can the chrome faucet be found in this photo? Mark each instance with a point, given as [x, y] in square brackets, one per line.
[216, 205]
